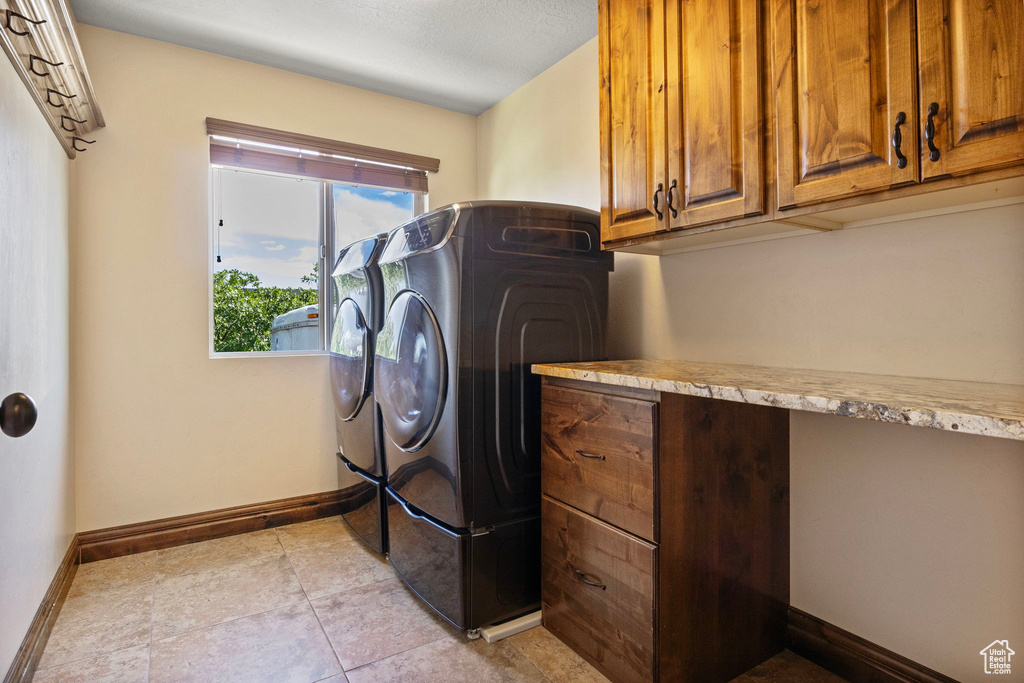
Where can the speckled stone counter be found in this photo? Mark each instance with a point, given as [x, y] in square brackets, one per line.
[969, 407]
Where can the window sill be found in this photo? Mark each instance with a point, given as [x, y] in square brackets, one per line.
[265, 354]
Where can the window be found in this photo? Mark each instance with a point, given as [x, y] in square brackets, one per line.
[281, 214]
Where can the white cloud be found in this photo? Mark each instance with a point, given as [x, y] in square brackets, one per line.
[273, 272]
[225, 238]
[358, 217]
[306, 255]
[268, 206]
[267, 242]
[389, 193]
[278, 247]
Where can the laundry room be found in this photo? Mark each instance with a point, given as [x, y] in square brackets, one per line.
[567, 342]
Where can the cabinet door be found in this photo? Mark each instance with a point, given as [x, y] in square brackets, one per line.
[844, 75]
[971, 57]
[632, 67]
[715, 147]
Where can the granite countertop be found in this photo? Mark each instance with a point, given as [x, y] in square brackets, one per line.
[953, 405]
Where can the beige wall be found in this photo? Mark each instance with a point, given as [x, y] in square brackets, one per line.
[161, 428]
[37, 514]
[538, 143]
[909, 537]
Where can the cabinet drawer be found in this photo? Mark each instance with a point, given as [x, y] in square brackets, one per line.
[597, 454]
[598, 591]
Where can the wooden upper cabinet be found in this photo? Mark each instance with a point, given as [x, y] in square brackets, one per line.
[971, 58]
[734, 113]
[844, 74]
[714, 125]
[632, 100]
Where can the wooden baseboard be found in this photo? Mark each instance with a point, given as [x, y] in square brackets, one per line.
[23, 668]
[104, 544]
[852, 657]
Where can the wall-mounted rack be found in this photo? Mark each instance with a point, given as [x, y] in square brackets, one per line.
[39, 38]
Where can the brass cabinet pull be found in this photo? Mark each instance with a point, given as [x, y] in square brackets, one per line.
[897, 140]
[589, 455]
[929, 131]
[654, 201]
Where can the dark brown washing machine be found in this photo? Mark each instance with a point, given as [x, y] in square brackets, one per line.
[359, 314]
[477, 293]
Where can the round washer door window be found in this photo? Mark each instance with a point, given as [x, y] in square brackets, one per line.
[350, 371]
[411, 372]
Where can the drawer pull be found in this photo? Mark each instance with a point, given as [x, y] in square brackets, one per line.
[589, 455]
[590, 582]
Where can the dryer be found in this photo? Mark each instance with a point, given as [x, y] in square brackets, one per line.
[478, 292]
[359, 314]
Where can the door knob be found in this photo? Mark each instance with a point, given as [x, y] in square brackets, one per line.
[17, 415]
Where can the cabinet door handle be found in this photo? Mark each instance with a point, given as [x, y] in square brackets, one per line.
[589, 581]
[929, 131]
[671, 205]
[654, 201]
[588, 455]
[897, 140]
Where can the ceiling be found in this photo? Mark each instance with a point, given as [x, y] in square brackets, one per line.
[464, 55]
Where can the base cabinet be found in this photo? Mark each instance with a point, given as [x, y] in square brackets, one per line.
[703, 594]
[598, 590]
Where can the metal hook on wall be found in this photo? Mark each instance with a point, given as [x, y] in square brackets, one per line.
[12, 13]
[50, 92]
[64, 118]
[32, 59]
[75, 140]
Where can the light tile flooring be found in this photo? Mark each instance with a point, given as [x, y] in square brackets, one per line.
[299, 603]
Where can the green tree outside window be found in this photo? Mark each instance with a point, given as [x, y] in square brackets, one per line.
[244, 309]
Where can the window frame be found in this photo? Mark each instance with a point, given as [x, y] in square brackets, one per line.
[325, 236]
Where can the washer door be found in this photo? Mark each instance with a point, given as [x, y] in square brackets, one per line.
[350, 368]
[411, 372]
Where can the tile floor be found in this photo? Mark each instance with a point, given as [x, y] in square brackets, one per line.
[299, 603]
